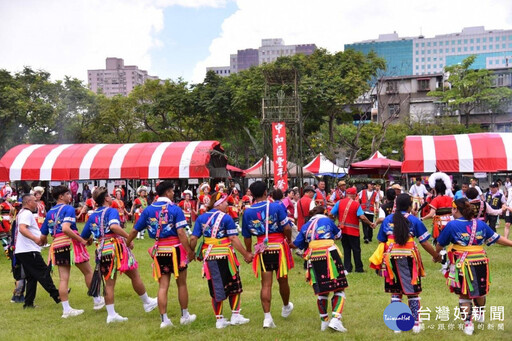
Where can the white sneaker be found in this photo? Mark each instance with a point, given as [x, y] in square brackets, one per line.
[237, 319]
[417, 328]
[72, 312]
[268, 323]
[116, 318]
[188, 320]
[166, 324]
[469, 328]
[153, 303]
[100, 304]
[287, 310]
[336, 324]
[221, 323]
[324, 325]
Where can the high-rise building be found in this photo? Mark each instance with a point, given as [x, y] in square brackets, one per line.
[116, 78]
[425, 56]
[268, 52]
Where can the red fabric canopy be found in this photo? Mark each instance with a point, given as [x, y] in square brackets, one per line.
[375, 163]
[234, 169]
[482, 152]
[321, 165]
[156, 160]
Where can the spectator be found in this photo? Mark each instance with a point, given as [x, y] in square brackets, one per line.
[302, 211]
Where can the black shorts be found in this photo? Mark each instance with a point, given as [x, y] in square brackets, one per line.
[271, 260]
[508, 218]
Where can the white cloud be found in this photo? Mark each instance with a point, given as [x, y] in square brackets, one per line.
[68, 37]
[333, 23]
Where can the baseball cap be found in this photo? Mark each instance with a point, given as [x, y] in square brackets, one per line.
[494, 184]
[352, 190]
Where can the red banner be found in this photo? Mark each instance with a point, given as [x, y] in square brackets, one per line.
[280, 162]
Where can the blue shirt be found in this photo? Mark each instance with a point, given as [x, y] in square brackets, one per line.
[254, 219]
[53, 224]
[459, 194]
[325, 229]
[416, 228]
[172, 221]
[227, 226]
[459, 231]
[336, 208]
[93, 223]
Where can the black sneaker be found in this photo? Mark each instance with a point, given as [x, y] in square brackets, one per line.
[30, 306]
[361, 270]
[366, 241]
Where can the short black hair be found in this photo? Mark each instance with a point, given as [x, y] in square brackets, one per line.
[390, 194]
[24, 198]
[258, 188]
[57, 191]
[99, 195]
[163, 186]
[277, 194]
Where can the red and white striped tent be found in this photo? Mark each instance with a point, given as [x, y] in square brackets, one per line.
[465, 153]
[321, 165]
[156, 160]
[265, 168]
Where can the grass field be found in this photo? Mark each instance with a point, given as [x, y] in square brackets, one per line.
[362, 315]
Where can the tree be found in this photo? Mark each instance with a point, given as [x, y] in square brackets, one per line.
[467, 88]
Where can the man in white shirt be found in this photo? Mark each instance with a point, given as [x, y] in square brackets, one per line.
[28, 253]
[418, 189]
[474, 185]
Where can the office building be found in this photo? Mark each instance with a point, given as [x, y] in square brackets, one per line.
[426, 56]
[116, 78]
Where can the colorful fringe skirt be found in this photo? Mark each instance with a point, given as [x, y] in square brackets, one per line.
[169, 256]
[116, 256]
[325, 271]
[67, 251]
[471, 276]
[402, 268]
[220, 267]
[276, 257]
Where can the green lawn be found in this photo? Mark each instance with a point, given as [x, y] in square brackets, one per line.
[362, 315]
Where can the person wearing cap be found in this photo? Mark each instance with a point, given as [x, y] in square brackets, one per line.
[41, 209]
[139, 205]
[220, 263]
[340, 192]
[397, 188]
[118, 204]
[496, 200]
[349, 212]
[302, 211]
[171, 252]
[369, 199]
[269, 223]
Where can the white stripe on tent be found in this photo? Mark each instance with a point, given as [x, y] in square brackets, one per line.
[154, 164]
[507, 142]
[84, 172]
[429, 154]
[465, 153]
[19, 162]
[186, 157]
[114, 171]
[49, 161]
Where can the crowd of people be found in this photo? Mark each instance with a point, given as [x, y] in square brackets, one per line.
[272, 223]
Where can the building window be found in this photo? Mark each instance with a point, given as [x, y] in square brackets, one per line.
[422, 59]
[447, 50]
[423, 84]
[435, 43]
[458, 49]
[428, 59]
[422, 44]
[490, 61]
[416, 52]
[490, 47]
[435, 66]
[391, 87]
[440, 65]
[394, 110]
[471, 41]
[435, 51]
[484, 40]
[417, 60]
[428, 66]
[459, 41]
[471, 48]
[434, 59]
[417, 67]
[503, 46]
[497, 38]
[453, 49]
[478, 48]
[428, 51]
[490, 39]
[484, 47]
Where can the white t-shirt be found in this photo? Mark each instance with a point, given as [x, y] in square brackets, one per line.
[23, 244]
[418, 191]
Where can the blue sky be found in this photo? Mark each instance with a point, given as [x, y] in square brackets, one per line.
[186, 37]
[180, 38]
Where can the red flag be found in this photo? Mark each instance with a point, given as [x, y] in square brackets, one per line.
[280, 162]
